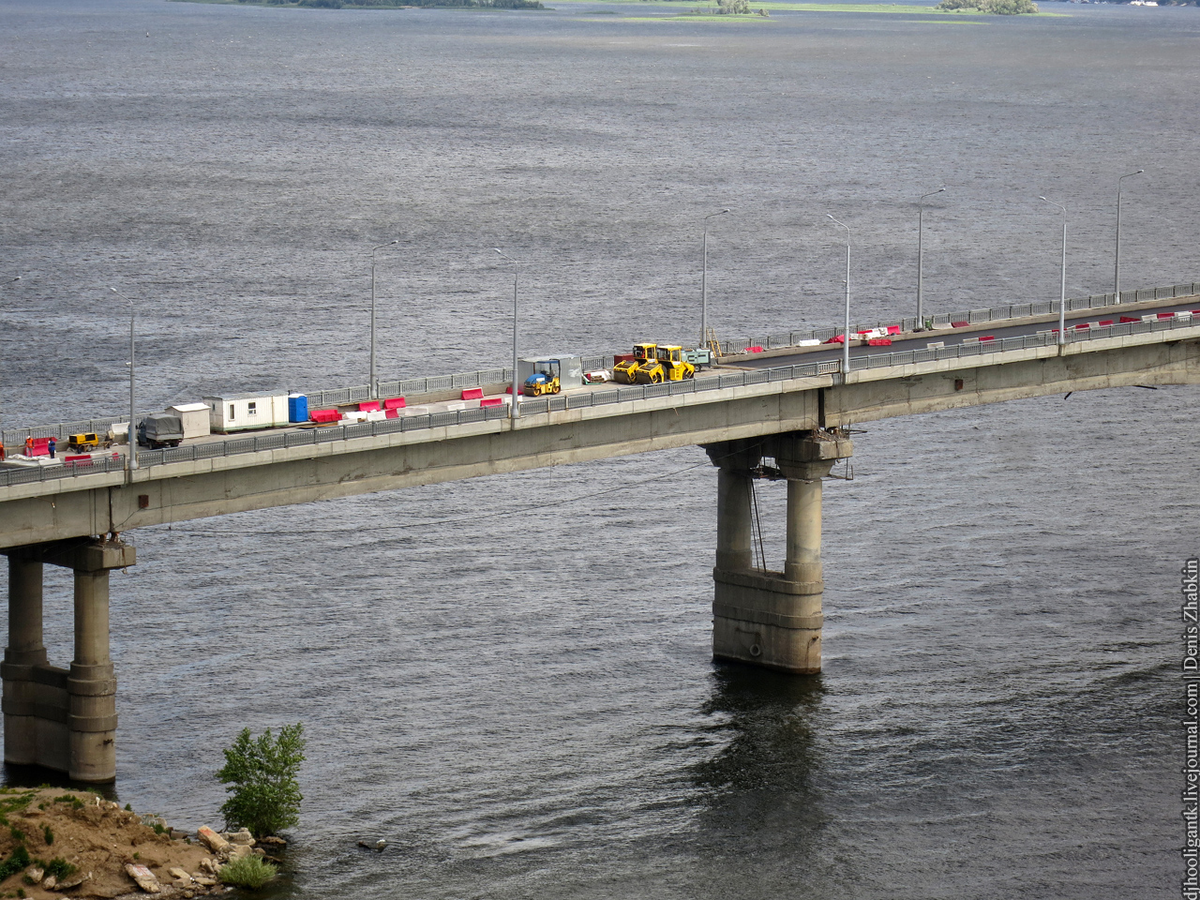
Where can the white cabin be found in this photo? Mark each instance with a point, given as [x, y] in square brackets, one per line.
[244, 412]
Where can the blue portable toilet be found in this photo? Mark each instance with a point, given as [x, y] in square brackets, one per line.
[297, 408]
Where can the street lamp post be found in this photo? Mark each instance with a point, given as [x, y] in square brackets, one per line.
[131, 456]
[921, 256]
[846, 333]
[374, 383]
[1062, 297]
[513, 411]
[1117, 263]
[11, 279]
[704, 282]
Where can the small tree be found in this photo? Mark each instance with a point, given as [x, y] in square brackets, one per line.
[261, 774]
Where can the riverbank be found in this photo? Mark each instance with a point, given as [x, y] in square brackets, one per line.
[54, 841]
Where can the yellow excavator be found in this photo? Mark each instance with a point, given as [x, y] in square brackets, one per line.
[626, 371]
[669, 364]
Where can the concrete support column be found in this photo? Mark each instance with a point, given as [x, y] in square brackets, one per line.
[803, 563]
[24, 652]
[772, 619]
[734, 533]
[735, 460]
[92, 684]
[62, 719]
[25, 612]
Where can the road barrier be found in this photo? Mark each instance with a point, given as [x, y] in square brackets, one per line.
[531, 407]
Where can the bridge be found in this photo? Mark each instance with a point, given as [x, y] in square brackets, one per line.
[783, 412]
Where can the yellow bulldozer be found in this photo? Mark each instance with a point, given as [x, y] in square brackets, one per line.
[626, 371]
[669, 364]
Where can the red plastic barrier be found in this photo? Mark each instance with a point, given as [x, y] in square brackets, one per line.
[1166, 315]
[960, 324]
[324, 416]
[988, 337]
[1082, 326]
[1104, 322]
[493, 401]
[394, 403]
[623, 357]
[473, 393]
[39, 447]
[392, 413]
[893, 329]
[1130, 319]
[837, 339]
[369, 406]
[1196, 312]
[879, 342]
[754, 349]
[77, 461]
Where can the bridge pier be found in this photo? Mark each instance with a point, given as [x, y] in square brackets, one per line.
[765, 618]
[62, 719]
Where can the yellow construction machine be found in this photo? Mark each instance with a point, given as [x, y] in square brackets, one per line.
[626, 372]
[669, 364]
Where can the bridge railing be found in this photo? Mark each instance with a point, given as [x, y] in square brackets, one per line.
[972, 316]
[261, 442]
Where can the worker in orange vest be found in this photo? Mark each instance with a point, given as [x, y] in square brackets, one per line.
[29, 446]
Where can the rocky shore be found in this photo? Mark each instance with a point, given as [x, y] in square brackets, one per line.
[56, 843]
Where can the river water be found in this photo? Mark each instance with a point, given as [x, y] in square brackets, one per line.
[510, 679]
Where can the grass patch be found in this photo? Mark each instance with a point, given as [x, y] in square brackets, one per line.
[247, 872]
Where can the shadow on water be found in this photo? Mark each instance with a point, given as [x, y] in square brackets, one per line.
[762, 793]
[772, 718]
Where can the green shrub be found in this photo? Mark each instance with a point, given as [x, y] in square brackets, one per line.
[17, 861]
[261, 774]
[58, 867]
[247, 872]
[48, 834]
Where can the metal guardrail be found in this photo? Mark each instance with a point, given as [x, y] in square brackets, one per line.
[605, 396]
[978, 316]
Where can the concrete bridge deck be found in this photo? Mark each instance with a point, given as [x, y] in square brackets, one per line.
[779, 396]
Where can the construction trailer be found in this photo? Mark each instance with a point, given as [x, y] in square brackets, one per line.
[246, 412]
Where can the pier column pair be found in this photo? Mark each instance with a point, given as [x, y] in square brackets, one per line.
[62, 719]
[767, 618]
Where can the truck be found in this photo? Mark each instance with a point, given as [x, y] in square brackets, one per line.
[160, 430]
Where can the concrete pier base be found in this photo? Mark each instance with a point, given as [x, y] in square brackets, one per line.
[62, 719]
[766, 618]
